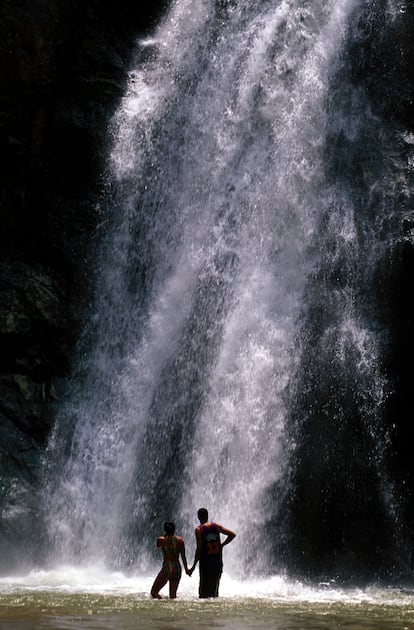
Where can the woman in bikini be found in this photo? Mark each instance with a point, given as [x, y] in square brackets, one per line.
[172, 547]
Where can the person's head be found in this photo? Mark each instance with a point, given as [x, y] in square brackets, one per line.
[169, 528]
[202, 515]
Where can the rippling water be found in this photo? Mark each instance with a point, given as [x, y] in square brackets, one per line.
[90, 599]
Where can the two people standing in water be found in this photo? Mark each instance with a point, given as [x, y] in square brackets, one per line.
[208, 554]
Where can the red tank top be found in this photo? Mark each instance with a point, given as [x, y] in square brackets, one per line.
[211, 545]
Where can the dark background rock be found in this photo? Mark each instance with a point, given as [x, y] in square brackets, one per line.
[63, 68]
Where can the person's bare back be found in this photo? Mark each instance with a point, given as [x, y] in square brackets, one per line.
[171, 547]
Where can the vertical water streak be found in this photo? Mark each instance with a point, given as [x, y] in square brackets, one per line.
[240, 446]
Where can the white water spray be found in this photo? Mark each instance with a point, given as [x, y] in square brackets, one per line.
[217, 166]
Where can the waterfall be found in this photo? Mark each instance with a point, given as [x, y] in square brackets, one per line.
[230, 329]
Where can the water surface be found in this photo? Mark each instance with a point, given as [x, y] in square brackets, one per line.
[82, 599]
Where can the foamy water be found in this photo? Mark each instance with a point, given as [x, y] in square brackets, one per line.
[91, 598]
[276, 588]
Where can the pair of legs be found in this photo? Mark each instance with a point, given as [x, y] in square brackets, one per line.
[209, 583]
[171, 573]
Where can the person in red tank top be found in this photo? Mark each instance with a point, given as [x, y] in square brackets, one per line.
[209, 554]
[173, 547]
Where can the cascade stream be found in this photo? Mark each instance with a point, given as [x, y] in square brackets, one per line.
[232, 353]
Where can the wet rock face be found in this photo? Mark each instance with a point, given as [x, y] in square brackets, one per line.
[63, 66]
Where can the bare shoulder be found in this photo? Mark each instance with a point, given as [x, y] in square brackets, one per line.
[160, 541]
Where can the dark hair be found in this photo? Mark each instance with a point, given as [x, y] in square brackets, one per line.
[169, 528]
[202, 514]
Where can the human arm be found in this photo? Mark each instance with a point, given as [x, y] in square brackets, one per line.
[227, 532]
[198, 550]
[183, 556]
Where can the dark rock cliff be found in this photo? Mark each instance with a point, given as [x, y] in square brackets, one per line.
[63, 67]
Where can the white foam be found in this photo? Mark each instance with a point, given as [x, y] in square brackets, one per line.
[276, 589]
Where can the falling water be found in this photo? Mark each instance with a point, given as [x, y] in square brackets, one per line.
[229, 286]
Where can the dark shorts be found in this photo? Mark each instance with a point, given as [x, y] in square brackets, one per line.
[209, 582]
